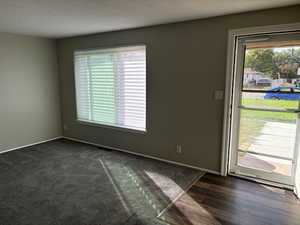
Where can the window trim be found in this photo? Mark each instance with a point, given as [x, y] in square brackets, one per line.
[119, 128]
[108, 126]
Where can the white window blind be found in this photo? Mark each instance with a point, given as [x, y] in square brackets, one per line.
[111, 86]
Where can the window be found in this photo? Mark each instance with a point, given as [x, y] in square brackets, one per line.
[111, 86]
[285, 90]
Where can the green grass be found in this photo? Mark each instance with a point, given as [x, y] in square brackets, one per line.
[270, 103]
[252, 121]
[269, 116]
[249, 130]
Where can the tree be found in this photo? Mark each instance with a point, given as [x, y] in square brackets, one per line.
[287, 62]
[283, 62]
[260, 60]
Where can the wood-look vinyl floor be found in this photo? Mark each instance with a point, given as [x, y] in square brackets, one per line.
[216, 200]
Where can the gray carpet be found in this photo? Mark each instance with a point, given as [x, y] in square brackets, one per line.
[68, 183]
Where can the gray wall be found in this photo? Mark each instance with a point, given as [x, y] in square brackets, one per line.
[185, 64]
[29, 91]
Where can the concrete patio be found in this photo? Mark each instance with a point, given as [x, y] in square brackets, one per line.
[276, 138]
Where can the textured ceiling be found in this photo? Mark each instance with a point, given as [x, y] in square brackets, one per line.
[64, 18]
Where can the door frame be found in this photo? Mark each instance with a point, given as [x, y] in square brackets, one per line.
[230, 83]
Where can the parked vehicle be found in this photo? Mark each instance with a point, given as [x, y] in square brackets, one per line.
[264, 82]
[284, 93]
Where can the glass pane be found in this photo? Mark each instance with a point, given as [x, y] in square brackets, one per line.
[271, 67]
[111, 86]
[271, 100]
[269, 164]
[284, 89]
[102, 88]
[271, 133]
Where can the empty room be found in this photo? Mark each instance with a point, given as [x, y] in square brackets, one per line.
[150, 112]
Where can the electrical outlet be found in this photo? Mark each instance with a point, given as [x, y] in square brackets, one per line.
[65, 127]
[178, 149]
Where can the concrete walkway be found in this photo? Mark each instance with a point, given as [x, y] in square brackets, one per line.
[276, 138]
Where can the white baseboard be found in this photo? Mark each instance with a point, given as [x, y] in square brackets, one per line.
[113, 148]
[143, 155]
[36, 143]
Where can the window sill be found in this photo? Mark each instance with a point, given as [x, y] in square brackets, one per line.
[124, 129]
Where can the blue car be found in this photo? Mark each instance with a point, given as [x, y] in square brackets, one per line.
[284, 93]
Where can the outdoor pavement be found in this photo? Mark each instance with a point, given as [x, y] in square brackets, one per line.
[277, 139]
